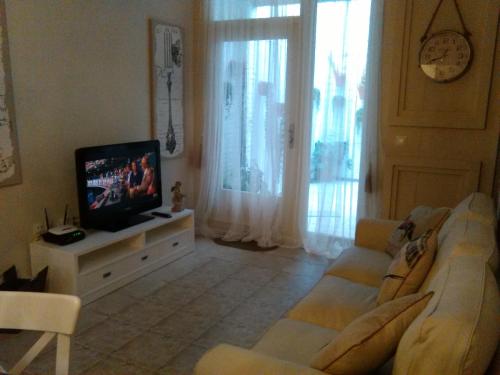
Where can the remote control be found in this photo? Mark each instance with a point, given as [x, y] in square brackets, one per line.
[161, 214]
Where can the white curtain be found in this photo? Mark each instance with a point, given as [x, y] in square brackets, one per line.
[285, 97]
[246, 123]
[338, 105]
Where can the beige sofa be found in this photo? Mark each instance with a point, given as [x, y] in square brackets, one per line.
[456, 333]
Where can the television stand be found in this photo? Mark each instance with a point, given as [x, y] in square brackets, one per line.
[105, 261]
[119, 223]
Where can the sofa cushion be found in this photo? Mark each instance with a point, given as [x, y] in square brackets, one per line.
[465, 237]
[335, 302]
[458, 331]
[361, 265]
[409, 268]
[370, 340]
[476, 207]
[420, 220]
[294, 340]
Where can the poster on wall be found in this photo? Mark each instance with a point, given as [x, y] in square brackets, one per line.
[167, 87]
[10, 167]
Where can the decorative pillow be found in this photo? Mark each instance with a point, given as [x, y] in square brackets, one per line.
[409, 268]
[420, 220]
[370, 340]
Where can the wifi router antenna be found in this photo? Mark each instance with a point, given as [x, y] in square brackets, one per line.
[46, 219]
[65, 214]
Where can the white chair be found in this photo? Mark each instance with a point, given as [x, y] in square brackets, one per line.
[55, 314]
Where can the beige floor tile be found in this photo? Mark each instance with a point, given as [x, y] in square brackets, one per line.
[88, 318]
[200, 281]
[184, 362]
[241, 334]
[179, 268]
[112, 303]
[108, 336]
[292, 284]
[255, 313]
[145, 314]
[142, 287]
[150, 350]
[256, 275]
[184, 326]
[213, 306]
[114, 366]
[235, 288]
[175, 296]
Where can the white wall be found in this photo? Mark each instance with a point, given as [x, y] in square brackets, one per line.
[81, 77]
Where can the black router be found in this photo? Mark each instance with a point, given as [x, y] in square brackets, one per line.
[62, 234]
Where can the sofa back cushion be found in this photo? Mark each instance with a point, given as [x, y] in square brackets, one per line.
[476, 207]
[465, 237]
[458, 331]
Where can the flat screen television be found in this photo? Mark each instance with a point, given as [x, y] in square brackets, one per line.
[116, 183]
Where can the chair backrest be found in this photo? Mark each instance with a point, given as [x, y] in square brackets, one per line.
[54, 314]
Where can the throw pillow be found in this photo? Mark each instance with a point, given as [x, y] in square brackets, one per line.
[409, 268]
[370, 340]
[421, 219]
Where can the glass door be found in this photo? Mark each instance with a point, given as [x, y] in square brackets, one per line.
[341, 43]
[257, 70]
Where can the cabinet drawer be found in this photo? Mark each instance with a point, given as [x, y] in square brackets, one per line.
[183, 239]
[172, 245]
[106, 274]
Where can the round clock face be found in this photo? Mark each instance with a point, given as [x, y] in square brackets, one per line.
[445, 56]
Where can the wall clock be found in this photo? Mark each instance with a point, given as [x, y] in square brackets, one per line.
[445, 55]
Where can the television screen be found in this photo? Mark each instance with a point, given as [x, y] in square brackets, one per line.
[120, 180]
[115, 182]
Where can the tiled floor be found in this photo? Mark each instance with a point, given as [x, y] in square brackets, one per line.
[163, 322]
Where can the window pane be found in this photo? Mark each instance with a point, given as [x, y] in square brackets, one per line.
[339, 73]
[226, 10]
[254, 76]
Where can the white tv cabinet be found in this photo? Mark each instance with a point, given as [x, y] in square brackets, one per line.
[105, 261]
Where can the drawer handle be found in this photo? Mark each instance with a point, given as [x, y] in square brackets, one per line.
[144, 257]
[106, 275]
[175, 244]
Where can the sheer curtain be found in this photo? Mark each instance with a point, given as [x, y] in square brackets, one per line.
[331, 187]
[246, 121]
[288, 109]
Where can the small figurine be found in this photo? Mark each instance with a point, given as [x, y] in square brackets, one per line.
[177, 197]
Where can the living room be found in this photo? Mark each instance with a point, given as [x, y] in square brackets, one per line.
[81, 76]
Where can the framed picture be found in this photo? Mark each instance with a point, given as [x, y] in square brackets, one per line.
[167, 87]
[10, 166]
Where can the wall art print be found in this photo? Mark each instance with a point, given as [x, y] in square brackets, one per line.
[167, 87]
[10, 166]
